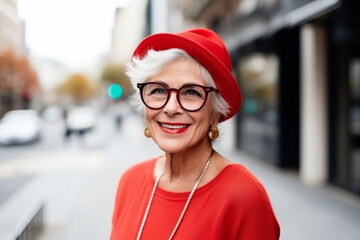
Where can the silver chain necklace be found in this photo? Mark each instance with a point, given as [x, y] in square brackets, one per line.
[186, 204]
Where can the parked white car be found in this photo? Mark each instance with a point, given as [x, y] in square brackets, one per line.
[20, 127]
[80, 120]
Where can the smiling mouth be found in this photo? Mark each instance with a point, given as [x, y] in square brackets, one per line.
[174, 126]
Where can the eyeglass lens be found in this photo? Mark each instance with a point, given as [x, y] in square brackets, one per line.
[190, 97]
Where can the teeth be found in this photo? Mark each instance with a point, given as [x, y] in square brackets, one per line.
[173, 126]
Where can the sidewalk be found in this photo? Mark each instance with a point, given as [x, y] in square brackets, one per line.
[305, 212]
[79, 184]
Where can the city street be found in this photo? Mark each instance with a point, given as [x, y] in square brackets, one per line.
[77, 181]
[51, 138]
[285, 72]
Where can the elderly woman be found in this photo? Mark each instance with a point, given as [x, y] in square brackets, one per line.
[191, 192]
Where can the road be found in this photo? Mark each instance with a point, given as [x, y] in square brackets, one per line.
[52, 139]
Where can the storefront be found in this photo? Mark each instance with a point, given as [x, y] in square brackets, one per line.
[344, 95]
[278, 123]
[268, 72]
[298, 64]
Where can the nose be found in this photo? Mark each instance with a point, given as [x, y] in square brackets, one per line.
[172, 107]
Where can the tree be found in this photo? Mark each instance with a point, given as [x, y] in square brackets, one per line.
[78, 87]
[16, 71]
[113, 73]
[18, 81]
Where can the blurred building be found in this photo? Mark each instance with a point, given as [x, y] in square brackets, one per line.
[141, 18]
[11, 27]
[298, 65]
[11, 41]
[128, 30]
[51, 76]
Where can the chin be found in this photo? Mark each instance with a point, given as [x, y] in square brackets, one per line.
[170, 146]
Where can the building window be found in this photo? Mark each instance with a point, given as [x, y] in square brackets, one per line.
[259, 77]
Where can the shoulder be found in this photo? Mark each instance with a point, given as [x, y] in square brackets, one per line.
[241, 176]
[142, 169]
[142, 166]
[135, 177]
[242, 185]
[246, 196]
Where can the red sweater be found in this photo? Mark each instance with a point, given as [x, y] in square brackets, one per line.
[234, 205]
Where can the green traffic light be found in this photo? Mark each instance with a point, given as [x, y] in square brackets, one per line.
[115, 91]
[251, 106]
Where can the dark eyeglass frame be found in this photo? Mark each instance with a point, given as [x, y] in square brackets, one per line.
[169, 90]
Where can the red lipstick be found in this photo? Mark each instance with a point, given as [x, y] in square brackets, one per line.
[173, 128]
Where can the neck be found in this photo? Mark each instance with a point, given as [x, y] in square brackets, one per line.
[186, 166]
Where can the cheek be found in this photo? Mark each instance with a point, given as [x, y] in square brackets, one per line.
[149, 117]
[203, 123]
[209, 116]
[201, 129]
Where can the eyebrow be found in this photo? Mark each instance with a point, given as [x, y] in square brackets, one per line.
[162, 83]
[186, 84]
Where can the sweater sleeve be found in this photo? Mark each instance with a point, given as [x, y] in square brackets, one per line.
[258, 218]
[121, 190]
[129, 195]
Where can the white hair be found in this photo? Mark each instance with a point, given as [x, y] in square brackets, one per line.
[140, 70]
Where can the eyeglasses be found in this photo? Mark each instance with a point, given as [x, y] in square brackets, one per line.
[190, 97]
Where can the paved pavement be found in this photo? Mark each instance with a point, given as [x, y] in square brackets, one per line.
[78, 185]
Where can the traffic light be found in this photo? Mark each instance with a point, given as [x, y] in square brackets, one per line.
[251, 106]
[115, 91]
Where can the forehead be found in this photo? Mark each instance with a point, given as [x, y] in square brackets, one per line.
[178, 73]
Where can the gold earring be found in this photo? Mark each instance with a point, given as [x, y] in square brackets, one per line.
[213, 132]
[147, 133]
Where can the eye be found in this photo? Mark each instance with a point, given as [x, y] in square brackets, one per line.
[154, 89]
[193, 91]
[158, 91]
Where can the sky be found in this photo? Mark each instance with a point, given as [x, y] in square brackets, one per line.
[72, 32]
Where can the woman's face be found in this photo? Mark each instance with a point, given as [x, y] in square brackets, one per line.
[173, 128]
